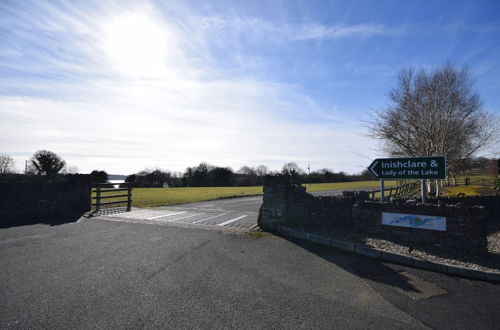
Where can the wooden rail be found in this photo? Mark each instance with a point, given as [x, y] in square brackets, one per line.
[103, 190]
[404, 190]
[480, 182]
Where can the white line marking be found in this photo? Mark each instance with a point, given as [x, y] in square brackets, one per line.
[198, 208]
[165, 215]
[232, 220]
[136, 213]
[220, 215]
[189, 216]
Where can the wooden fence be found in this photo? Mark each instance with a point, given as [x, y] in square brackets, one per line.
[472, 182]
[107, 191]
[404, 190]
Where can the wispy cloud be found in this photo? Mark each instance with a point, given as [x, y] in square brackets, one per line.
[65, 86]
[292, 32]
[314, 31]
[63, 91]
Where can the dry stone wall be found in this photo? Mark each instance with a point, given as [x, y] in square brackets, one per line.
[287, 203]
[465, 224]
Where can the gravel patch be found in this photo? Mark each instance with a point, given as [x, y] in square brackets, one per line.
[489, 261]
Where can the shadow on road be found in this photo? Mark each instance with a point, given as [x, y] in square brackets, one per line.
[49, 220]
[360, 266]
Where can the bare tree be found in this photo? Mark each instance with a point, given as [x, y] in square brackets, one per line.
[69, 169]
[292, 169]
[6, 164]
[435, 112]
[246, 170]
[261, 170]
[47, 163]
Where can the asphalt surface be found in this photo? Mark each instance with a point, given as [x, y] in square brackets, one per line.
[232, 212]
[97, 273]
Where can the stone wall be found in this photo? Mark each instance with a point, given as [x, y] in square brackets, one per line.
[287, 203]
[273, 209]
[491, 203]
[32, 199]
[465, 224]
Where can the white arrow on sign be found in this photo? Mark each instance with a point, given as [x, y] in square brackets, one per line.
[372, 169]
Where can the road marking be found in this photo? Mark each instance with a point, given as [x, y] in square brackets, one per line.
[165, 215]
[134, 214]
[189, 216]
[232, 220]
[196, 208]
[216, 216]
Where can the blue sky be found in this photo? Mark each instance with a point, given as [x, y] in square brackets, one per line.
[124, 85]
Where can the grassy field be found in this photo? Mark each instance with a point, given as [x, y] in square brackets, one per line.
[347, 185]
[468, 191]
[475, 175]
[148, 197]
[478, 179]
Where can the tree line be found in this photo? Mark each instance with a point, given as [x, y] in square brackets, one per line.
[47, 163]
[207, 175]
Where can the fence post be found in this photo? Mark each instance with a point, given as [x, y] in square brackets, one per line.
[422, 190]
[129, 201]
[382, 190]
[98, 198]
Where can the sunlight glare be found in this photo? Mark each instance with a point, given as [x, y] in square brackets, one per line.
[136, 45]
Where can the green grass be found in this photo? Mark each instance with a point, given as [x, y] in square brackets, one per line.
[347, 185]
[475, 175]
[149, 197]
[467, 191]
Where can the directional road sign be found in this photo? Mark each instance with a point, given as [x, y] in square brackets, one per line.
[409, 168]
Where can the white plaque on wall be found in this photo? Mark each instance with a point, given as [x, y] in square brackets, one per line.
[430, 222]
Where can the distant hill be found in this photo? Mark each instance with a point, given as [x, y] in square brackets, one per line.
[116, 177]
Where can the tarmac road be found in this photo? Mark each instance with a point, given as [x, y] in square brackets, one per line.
[232, 212]
[97, 273]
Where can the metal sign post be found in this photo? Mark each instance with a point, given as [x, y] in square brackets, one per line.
[422, 190]
[382, 190]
